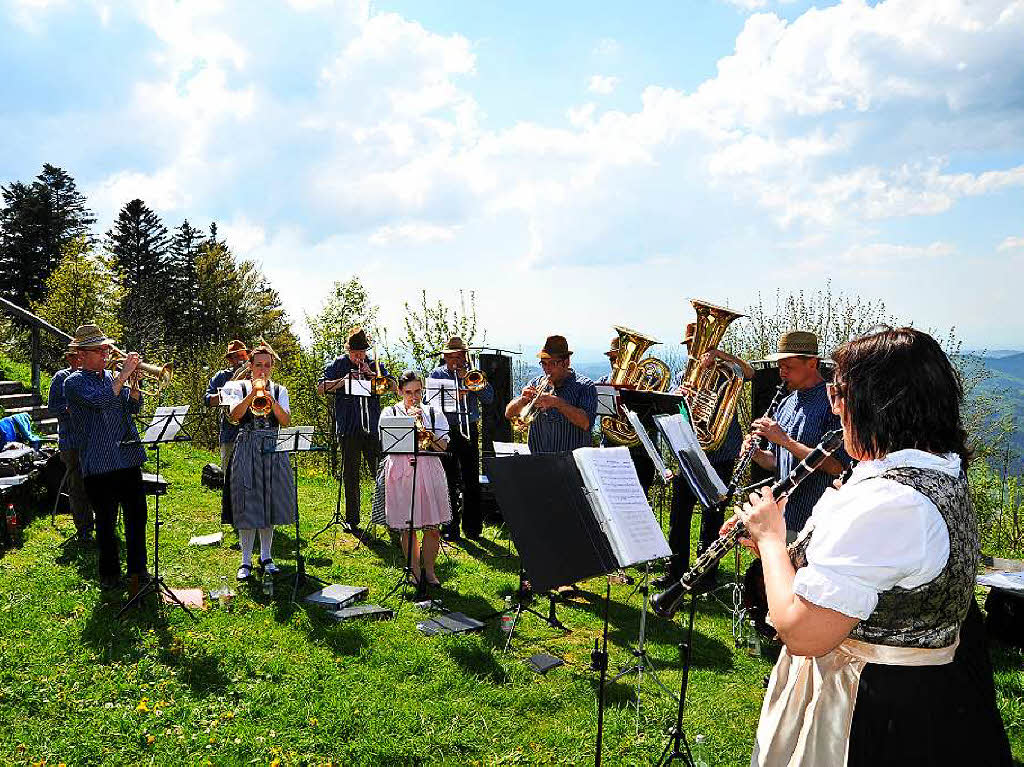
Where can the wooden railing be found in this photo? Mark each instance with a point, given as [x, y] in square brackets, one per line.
[36, 325]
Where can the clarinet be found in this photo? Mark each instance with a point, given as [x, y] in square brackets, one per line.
[758, 444]
[667, 602]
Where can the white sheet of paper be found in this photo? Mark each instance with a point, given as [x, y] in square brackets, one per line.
[645, 439]
[231, 394]
[682, 439]
[166, 424]
[442, 393]
[510, 448]
[607, 400]
[629, 522]
[294, 438]
[396, 433]
[1009, 581]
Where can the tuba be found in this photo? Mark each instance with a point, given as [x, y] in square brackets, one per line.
[713, 393]
[650, 374]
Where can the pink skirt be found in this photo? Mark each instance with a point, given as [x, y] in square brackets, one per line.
[432, 506]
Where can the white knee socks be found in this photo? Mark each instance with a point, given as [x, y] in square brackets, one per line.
[247, 537]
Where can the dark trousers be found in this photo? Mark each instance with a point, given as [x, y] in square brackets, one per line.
[354, 447]
[106, 492]
[683, 501]
[463, 463]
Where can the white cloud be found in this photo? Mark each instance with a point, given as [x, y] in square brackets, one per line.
[1011, 243]
[603, 84]
[885, 254]
[607, 46]
[411, 233]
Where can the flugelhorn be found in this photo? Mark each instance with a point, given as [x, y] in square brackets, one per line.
[160, 374]
[667, 602]
[529, 412]
[260, 405]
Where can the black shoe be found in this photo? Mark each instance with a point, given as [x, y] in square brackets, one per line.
[85, 537]
[110, 582]
[475, 535]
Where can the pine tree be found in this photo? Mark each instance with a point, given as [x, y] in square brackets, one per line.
[37, 222]
[138, 248]
[183, 312]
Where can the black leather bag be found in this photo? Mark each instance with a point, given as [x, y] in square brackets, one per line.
[1005, 611]
[213, 477]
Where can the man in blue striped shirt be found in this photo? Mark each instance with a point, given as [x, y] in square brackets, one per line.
[237, 355]
[800, 422]
[464, 452]
[565, 407]
[67, 448]
[101, 407]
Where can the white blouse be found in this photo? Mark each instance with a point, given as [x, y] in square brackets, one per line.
[874, 535]
[433, 418]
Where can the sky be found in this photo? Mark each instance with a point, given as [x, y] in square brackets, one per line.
[576, 165]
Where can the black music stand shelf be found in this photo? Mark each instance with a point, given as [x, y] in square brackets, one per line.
[165, 427]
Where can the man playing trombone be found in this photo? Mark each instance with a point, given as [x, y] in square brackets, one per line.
[355, 417]
[559, 406]
[463, 444]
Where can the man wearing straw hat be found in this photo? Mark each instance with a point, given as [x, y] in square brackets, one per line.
[67, 448]
[236, 355]
[101, 406]
[800, 422]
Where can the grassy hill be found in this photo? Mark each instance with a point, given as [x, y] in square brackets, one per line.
[264, 681]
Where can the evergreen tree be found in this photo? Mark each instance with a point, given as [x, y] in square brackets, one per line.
[138, 247]
[183, 312]
[37, 222]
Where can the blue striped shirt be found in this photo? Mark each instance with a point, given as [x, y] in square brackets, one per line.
[348, 414]
[102, 421]
[473, 398]
[806, 416]
[58, 408]
[551, 432]
[729, 450]
[228, 430]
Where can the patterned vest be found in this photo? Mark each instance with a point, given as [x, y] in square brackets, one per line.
[928, 615]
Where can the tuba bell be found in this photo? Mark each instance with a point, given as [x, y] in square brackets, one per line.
[713, 393]
[633, 371]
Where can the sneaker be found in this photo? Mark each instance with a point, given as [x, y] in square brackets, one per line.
[269, 567]
[244, 573]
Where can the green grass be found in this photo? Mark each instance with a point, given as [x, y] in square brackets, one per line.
[263, 679]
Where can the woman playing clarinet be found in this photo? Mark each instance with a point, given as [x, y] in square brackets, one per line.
[884, 661]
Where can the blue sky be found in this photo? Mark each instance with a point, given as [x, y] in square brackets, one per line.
[578, 165]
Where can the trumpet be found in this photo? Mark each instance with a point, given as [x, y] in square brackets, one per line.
[424, 436]
[528, 413]
[260, 405]
[160, 374]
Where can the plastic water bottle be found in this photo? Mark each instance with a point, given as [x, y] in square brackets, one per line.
[268, 584]
[506, 620]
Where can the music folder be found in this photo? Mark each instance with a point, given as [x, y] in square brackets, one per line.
[575, 515]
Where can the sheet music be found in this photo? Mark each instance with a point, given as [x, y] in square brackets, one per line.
[442, 393]
[510, 448]
[693, 462]
[166, 424]
[397, 434]
[607, 400]
[621, 505]
[294, 438]
[645, 440]
[231, 394]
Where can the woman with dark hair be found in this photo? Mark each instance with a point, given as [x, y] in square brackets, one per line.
[884, 659]
[260, 482]
[431, 508]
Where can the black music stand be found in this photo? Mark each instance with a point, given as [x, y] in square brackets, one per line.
[404, 440]
[347, 386]
[165, 427]
[294, 440]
